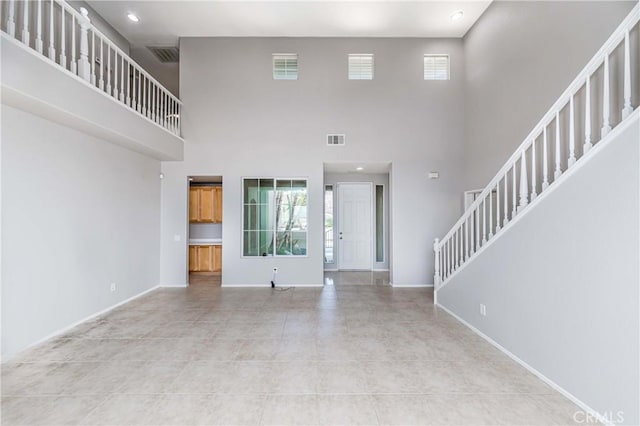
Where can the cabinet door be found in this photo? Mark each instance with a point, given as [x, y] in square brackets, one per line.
[206, 204]
[193, 258]
[217, 205]
[205, 258]
[194, 204]
[217, 258]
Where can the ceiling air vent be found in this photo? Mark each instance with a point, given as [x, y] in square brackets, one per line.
[165, 54]
[335, 140]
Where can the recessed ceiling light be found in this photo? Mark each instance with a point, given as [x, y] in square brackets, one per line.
[133, 17]
[359, 169]
[457, 15]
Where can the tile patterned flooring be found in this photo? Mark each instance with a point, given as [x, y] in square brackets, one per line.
[342, 354]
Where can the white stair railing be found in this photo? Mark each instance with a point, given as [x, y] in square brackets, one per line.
[74, 44]
[517, 183]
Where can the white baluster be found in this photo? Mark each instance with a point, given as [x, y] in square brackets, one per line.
[11, 23]
[545, 155]
[25, 24]
[152, 101]
[129, 84]
[460, 243]
[52, 48]
[534, 182]
[505, 220]
[101, 81]
[144, 96]
[84, 67]
[498, 207]
[138, 100]
[455, 250]
[557, 172]
[484, 220]
[39, 45]
[523, 182]
[606, 119]
[109, 70]
[467, 252]
[122, 98]
[477, 228]
[515, 197]
[93, 58]
[63, 47]
[446, 259]
[74, 65]
[436, 276]
[491, 213]
[587, 117]
[163, 118]
[628, 109]
[572, 135]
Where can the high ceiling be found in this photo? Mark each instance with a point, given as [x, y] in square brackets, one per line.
[164, 22]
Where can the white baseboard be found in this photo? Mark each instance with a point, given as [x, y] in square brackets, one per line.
[554, 385]
[380, 270]
[174, 286]
[77, 323]
[410, 285]
[269, 285]
[331, 270]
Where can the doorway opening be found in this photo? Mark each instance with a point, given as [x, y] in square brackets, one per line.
[356, 223]
[204, 256]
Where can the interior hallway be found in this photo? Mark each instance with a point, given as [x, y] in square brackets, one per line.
[334, 355]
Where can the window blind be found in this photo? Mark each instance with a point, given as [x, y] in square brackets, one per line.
[361, 67]
[436, 67]
[285, 66]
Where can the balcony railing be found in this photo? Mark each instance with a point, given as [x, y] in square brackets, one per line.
[67, 38]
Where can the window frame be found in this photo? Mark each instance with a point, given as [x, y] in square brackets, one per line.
[275, 56]
[436, 55]
[373, 66]
[274, 231]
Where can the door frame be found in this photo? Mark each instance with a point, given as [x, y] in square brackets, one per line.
[336, 215]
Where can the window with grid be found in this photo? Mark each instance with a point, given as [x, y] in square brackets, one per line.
[274, 217]
[436, 67]
[361, 66]
[285, 66]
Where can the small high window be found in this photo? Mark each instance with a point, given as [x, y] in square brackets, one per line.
[436, 67]
[361, 66]
[285, 66]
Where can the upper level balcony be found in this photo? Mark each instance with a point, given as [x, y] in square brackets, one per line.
[57, 65]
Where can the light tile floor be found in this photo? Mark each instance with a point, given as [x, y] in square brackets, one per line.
[349, 354]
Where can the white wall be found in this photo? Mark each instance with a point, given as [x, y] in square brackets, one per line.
[519, 57]
[561, 285]
[238, 121]
[78, 213]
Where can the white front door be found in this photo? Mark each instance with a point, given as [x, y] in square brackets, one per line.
[354, 226]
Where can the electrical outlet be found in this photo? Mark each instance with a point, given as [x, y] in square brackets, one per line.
[483, 310]
[113, 286]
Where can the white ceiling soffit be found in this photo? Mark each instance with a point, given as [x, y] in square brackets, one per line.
[351, 167]
[164, 22]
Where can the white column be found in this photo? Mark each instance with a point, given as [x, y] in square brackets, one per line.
[628, 109]
[436, 276]
[545, 155]
[11, 23]
[572, 135]
[606, 119]
[587, 117]
[84, 67]
[25, 23]
[557, 172]
[52, 49]
[523, 182]
[39, 46]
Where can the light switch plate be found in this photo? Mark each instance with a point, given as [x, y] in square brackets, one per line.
[176, 238]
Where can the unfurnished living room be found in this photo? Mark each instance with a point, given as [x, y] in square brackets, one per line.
[320, 212]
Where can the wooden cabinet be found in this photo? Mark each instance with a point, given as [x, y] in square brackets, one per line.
[205, 204]
[205, 258]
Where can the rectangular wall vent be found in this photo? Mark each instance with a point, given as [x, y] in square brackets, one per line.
[361, 66]
[436, 67]
[285, 66]
[166, 54]
[335, 140]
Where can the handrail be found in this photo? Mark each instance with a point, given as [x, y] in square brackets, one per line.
[464, 238]
[140, 92]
